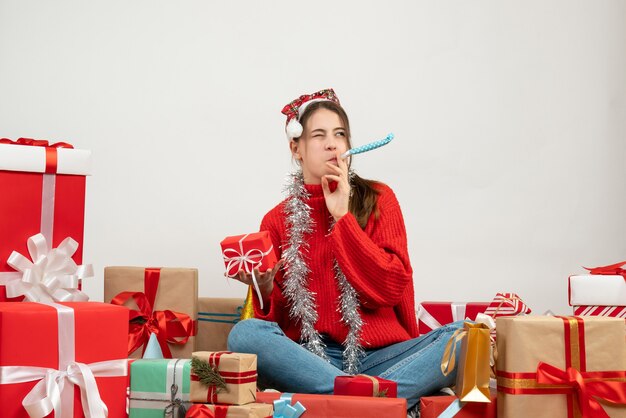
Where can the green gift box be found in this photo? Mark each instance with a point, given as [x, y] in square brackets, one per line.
[159, 386]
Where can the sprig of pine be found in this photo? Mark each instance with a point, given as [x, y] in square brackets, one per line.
[381, 394]
[207, 375]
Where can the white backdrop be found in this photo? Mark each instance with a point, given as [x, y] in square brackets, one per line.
[510, 123]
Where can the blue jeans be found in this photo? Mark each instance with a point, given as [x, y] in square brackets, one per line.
[288, 367]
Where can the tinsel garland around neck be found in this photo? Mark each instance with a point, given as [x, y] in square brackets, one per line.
[302, 304]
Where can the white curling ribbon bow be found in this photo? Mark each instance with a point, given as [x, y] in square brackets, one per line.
[45, 396]
[240, 261]
[51, 276]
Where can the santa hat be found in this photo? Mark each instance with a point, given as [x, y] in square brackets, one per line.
[294, 110]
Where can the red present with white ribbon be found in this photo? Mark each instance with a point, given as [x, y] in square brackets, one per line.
[249, 252]
[63, 360]
[433, 315]
[43, 191]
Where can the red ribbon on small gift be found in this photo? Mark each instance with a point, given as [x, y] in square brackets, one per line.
[203, 411]
[586, 391]
[613, 269]
[168, 326]
[51, 149]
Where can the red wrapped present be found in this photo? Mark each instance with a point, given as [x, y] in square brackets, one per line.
[432, 315]
[43, 191]
[434, 406]
[364, 385]
[339, 406]
[612, 311]
[74, 352]
[247, 252]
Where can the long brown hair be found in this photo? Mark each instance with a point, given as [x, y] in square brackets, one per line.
[363, 195]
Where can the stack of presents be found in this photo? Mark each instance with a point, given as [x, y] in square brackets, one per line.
[154, 349]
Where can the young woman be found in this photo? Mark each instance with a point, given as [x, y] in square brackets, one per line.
[340, 300]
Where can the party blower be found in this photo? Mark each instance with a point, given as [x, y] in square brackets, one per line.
[367, 147]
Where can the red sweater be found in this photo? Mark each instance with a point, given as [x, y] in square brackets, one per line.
[375, 261]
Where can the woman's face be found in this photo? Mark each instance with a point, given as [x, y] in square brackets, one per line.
[323, 136]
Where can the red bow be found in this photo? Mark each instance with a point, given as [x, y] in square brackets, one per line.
[169, 327]
[202, 411]
[35, 143]
[586, 391]
[612, 269]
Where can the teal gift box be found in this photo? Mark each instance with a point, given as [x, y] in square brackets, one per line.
[159, 387]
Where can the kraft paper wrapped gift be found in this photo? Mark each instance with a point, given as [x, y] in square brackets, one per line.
[40, 341]
[340, 406]
[543, 361]
[251, 410]
[216, 317]
[159, 387]
[364, 385]
[233, 378]
[450, 406]
[162, 300]
[43, 191]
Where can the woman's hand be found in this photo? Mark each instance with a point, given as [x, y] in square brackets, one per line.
[338, 201]
[264, 280]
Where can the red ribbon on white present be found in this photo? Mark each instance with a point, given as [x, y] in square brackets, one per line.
[613, 269]
[51, 276]
[54, 390]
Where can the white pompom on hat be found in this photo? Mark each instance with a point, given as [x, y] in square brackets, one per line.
[295, 108]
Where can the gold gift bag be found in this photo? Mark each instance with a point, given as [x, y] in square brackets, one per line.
[472, 376]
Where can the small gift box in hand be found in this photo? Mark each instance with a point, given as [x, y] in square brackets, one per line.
[248, 252]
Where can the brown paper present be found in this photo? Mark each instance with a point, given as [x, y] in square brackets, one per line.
[216, 317]
[223, 377]
[251, 410]
[560, 366]
[157, 296]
